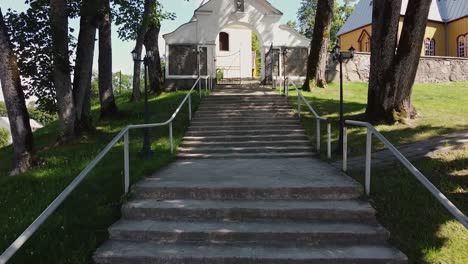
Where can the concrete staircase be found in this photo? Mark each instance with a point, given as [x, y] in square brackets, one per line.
[240, 123]
[223, 208]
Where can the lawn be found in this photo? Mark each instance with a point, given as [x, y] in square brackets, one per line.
[73, 232]
[419, 225]
[443, 109]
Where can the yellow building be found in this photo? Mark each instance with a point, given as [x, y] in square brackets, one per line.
[446, 30]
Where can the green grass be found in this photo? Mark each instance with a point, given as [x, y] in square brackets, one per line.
[419, 225]
[443, 108]
[73, 232]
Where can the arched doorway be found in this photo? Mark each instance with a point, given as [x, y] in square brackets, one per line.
[238, 54]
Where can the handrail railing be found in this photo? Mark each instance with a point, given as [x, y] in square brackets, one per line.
[318, 118]
[419, 176]
[19, 242]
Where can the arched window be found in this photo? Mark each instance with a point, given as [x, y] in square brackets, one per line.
[462, 45]
[429, 45]
[223, 41]
[240, 7]
[364, 42]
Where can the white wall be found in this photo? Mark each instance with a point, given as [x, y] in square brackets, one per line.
[216, 15]
[237, 62]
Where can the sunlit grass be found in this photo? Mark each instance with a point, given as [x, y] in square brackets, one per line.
[443, 110]
[73, 233]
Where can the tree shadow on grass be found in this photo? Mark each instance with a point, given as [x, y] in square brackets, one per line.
[420, 226]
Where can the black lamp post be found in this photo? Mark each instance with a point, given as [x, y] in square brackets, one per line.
[284, 52]
[341, 57]
[146, 150]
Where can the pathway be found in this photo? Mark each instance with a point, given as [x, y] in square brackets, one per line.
[412, 151]
[244, 191]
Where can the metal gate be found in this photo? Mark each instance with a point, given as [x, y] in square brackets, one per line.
[271, 66]
[229, 73]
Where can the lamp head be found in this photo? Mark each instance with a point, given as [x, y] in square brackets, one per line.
[337, 49]
[352, 50]
[149, 54]
[135, 55]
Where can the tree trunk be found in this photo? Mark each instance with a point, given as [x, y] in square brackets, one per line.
[138, 49]
[393, 73]
[317, 62]
[61, 73]
[106, 92]
[15, 103]
[154, 66]
[84, 66]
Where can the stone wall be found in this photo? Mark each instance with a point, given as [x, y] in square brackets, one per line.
[431, 69]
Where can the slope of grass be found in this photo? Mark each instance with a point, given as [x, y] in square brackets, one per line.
[80, 224]
[443, 110]
[419, 225]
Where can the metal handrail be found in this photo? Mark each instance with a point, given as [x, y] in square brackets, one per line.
[419, 176]
[317, 117]
[19, 242]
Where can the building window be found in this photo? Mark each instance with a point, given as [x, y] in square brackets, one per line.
[240, 7]
[364, 42]
[462, 45]
[429, 45]
[223, 41]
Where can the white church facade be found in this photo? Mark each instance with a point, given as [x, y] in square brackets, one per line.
[218, 39]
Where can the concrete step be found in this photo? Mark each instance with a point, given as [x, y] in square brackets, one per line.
[149, 189]
[257, 115]
[242, 127]
[251, 149]
[132, 252]
[264, 132]
[235, 210]
[251, 143]
[244, 111]
[241, 233]
[228, 122]
[220, 119]
[259, 155]
[244, 107]
[243, 138]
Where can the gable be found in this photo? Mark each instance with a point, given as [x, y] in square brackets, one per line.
[440, 11]
[267, 7]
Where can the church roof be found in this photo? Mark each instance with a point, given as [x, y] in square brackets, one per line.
[441, 11]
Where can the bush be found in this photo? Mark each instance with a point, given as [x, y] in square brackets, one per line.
[219, 74]
[4, 137]
[34, 113]
[3, 111]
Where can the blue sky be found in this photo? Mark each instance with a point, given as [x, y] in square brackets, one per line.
[184, 11]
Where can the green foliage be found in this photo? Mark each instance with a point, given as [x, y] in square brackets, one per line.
[4, 137]
[128, 15]
[308, 10]
[292, 24]
[30, 33]
[34, 113]
[121, 82]
[80, 225]
[219, 74]
[256, 46]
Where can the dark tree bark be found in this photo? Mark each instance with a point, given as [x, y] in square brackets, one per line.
[318, 56]
[62, 79]
[393, 71]
[84, 66]
[139, 47]
[154, 66]
[106, 91]
[15, 104]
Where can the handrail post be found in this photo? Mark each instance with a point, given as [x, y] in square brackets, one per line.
[368, 160]
[329, 140]
[299, 105]
[199, 87]
[190, 107]
[126, 162]
[171, 138]
[345, 149]
[318, 135]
